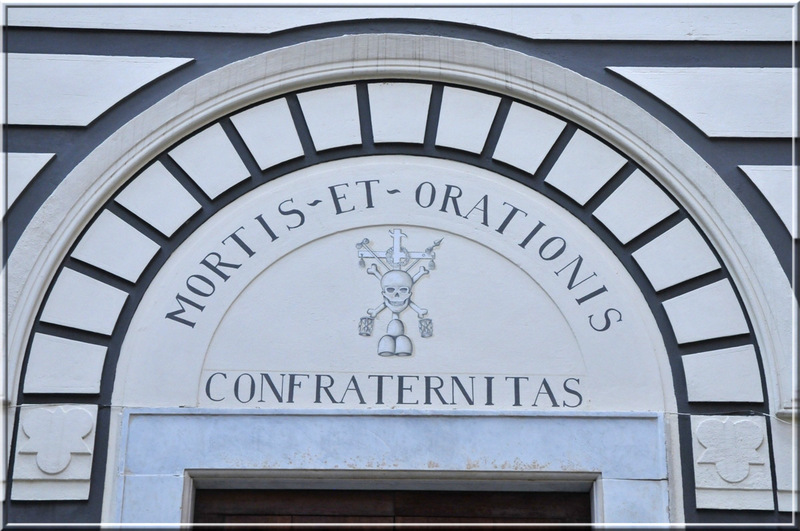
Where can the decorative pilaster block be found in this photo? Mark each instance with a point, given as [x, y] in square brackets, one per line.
[55, 445]
[731, 463]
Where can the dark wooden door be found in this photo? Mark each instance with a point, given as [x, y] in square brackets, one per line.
[389, 506]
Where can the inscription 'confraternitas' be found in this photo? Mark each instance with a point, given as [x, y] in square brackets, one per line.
[264, 389]
[344, 198]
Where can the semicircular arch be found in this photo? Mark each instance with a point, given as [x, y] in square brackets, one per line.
[538, 124]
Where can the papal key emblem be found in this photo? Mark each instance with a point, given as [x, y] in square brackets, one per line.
[396, 286]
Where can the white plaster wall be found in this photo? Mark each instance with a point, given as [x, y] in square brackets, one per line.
[73, 90]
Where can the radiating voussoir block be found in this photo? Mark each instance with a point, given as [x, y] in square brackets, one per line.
[527, 136]
[399, 111]
[635, 206]
[82, 302]
[725, 375]
[675, 256]
[268, 132]
[211, 161]
[709, 312]
[60, 365]
[332, 116]
[584, 167]
[465, 119]
[114, 246]
[159, 199]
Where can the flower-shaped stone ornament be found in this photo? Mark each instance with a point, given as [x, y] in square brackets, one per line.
[731, 446]
[55, 435]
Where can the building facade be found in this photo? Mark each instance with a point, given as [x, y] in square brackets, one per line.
[581, 224]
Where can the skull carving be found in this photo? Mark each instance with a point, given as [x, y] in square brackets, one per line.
[396, 287]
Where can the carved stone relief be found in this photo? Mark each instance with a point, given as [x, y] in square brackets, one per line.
[731, 463]
[55, 447]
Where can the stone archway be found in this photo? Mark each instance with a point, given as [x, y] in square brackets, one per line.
[677, 214]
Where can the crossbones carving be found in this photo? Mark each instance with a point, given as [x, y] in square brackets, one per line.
[397, 289]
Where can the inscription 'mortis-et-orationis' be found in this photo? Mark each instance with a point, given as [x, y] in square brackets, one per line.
[396, 286]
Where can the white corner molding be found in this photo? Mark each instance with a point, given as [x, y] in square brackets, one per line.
[724, 102]
[73, 90]
[659, 23]
[778, 184]
[21, 170]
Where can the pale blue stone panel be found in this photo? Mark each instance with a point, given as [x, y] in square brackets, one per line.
[635, 501]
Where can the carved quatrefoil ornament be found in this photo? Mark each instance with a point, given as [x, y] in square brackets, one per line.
[730, 446]
[55, 435]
